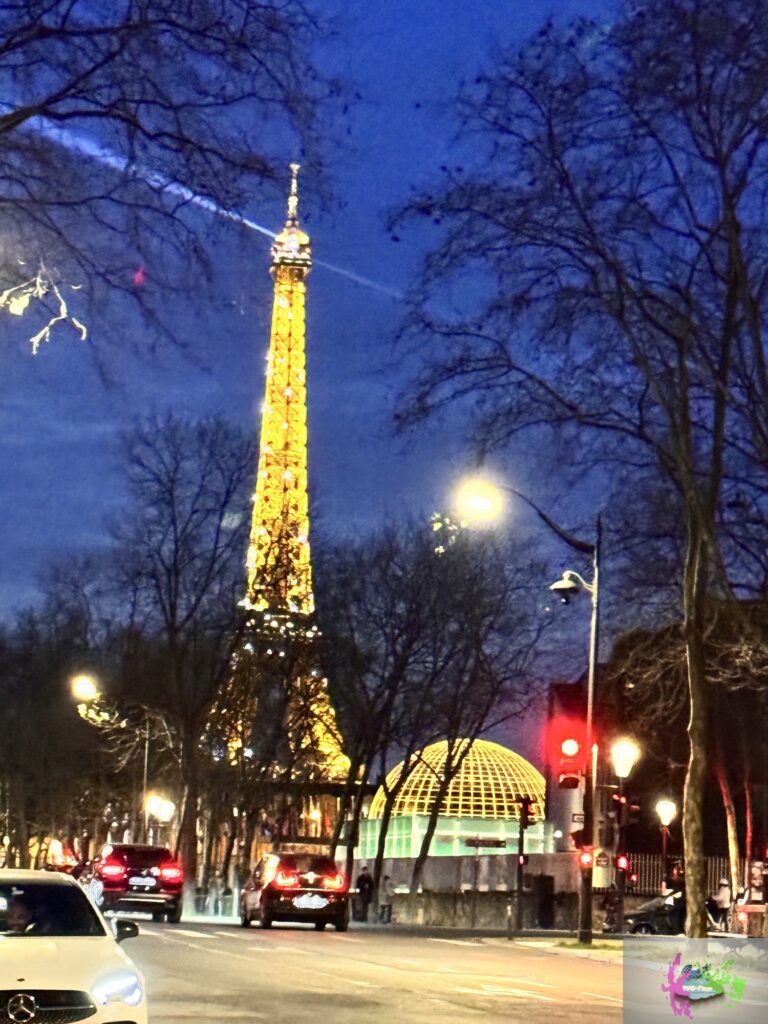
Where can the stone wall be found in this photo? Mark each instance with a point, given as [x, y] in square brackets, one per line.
[486, 873]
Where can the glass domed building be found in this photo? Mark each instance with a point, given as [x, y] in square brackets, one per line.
[481, 803]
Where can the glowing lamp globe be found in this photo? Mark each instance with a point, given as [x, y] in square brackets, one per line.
[159, 808]
[479, 502]
[84, 688]
[570, 748]
[625, 754]
[666, 811]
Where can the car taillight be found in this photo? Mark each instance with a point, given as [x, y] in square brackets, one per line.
[171, 873]
[337, 882]
[112, 870]
[287, 880]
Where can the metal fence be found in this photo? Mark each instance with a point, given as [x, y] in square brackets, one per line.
[650, 872]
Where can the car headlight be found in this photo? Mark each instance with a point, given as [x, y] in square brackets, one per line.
[119, 988]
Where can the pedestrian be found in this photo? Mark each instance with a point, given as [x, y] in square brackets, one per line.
[386, 895]
[610, 904]
[364, 886]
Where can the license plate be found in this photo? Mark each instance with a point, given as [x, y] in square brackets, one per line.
[144, 883]
[310, 902]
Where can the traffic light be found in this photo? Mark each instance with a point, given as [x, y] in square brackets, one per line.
[586, 859]
[622, 862]
[567, 750]
[633, 811]
[525, 811]
[570, 763]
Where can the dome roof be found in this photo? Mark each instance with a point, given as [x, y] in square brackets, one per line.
[488, 784]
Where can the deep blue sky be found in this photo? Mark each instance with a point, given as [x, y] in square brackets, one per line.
[59, 423]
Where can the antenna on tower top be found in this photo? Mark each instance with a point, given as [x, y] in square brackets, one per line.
[293, 195]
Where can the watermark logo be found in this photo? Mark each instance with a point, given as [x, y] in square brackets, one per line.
[688, 984]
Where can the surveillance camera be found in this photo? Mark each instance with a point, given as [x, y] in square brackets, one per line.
[565, 589]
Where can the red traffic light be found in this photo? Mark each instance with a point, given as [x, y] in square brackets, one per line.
[586, 859]
[622, 862]
[570, 747]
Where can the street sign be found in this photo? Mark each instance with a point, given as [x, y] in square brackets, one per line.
[485, 844]
[601, 860]
[578, 817]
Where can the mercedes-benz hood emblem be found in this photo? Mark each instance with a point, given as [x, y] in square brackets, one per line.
[22, 1008]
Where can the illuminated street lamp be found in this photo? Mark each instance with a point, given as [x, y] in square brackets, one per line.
[84, 688]
[481, 502]
[157, 808]
[666, 811]
[160, 808]
[625, 754]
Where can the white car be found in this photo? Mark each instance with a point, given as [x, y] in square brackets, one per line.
[59, 959]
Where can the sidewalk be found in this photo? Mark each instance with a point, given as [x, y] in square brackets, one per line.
[561, 943]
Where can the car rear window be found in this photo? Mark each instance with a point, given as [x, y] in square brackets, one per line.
[40, 909]
[307, 862]
[141, 856]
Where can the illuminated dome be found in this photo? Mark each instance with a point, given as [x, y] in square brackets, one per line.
[488, 784]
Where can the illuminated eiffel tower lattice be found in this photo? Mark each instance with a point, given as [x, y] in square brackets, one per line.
[279, 596]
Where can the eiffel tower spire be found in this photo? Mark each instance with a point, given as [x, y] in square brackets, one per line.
[279, 592]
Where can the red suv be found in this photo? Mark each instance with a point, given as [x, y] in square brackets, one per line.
[296, 887]
[138, 878]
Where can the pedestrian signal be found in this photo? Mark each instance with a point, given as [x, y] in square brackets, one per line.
[586, 859]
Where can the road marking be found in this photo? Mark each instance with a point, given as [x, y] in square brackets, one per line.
[517, 993]
[596, 995]
[189, 933]
[538, 984]
[227, 935]
[458, 942]
[347, 938]
[293, 949]
[363, 984]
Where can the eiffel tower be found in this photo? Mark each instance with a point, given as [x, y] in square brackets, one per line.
[281, 636]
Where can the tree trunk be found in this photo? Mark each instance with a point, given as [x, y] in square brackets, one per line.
[378, 867]
[695, 779]
[426, 843]
[22, 826]
[731, 824]
[748, 831]
[228, 850]
[210, 840]
[187, 838]
[354, 771]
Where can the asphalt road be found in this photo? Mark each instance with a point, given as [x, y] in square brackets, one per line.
[294, 975]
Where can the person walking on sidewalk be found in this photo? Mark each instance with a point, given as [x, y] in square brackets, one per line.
[386, 895]
[364, 886]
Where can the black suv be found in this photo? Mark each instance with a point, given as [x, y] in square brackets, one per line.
[296, 887]
[138, 878]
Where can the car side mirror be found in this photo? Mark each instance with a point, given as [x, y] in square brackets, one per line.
[124, 929]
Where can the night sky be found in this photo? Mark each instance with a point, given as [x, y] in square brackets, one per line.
[59, 420]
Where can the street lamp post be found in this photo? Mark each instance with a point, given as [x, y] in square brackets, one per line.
[145, 785]
[666, 810]
[479, 501]
[624, 755]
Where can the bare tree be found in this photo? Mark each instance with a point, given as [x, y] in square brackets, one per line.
[119, 117]
[422, 646]
[609, 199]
[180, 544]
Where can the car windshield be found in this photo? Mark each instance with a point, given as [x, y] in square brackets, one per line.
[140, 856]
[40, 909]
